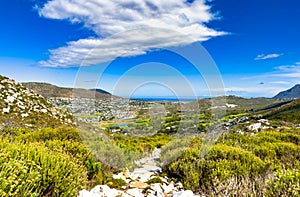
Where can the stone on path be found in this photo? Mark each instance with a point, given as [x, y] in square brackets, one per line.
[136, 183]
[135, 192]
[186, 193]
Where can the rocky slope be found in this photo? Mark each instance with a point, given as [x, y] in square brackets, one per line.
[140, 182]
[292, 93]
[21, 107]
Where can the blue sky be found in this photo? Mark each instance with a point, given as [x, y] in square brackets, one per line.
[128, 48]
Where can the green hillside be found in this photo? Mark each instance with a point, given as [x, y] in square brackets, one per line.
[48, 91]
[289, 112]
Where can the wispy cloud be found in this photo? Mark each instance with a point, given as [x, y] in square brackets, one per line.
[280, 82]
[280, 73]
[268, 56]
[252, 91]
[288, 71]
[281, 78]
[152, 19]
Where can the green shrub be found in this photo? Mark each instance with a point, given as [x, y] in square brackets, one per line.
[155, 180]
[18, 177]
[141, 144]
[116, 183]
[76, 150]
[60, 133]
[276, 148]
[33, 168]
[285, 183]
[110, 154]
[81, 155]
[222, 163]
[239, 165]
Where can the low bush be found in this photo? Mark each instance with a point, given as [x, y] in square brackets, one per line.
[155, 180]
[221, 163]
[32, 168]
[285, 183]
[60, 133]
[265, 164]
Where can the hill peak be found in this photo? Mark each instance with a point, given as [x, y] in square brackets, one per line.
[49, 91]
[291, 93]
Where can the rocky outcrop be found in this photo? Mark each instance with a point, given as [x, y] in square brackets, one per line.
[140, 182]
[22, 105]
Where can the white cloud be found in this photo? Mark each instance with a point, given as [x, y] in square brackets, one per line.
[268, 56]
[148, 24]
[288, 71]
[280, 82]
[252, 91]
[281, 78]
[280, 73]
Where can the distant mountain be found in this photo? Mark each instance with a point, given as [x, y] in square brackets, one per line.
[48, 91]
[100, 91]
[249, 103]
[21, 107]
[292, 93]
[237, 103]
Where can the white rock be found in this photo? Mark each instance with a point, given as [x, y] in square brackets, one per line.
[84, 193]
[6, 110]
[135, 192]
[104, 190]
[10, 90]
[186, 193]
[24, 115]
[168, 188]
[22, 107]
[230, 105]
[157, 188]
[254, 127]
[119, 176]
[151, 195]
[240, 132]
[179, 185]
[44, 110]
[122, 194]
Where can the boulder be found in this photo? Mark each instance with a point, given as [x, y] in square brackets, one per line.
[119, 176]
[168, 188]
[85, 193]
[104, 190]
[186, 193]
[135, 192]
[157, 188]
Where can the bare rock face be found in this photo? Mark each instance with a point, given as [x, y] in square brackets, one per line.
[138, 183]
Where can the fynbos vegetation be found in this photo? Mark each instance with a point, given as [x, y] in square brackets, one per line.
[42, 153]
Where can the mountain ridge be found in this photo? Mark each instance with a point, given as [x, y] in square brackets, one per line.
[291, 93]
[48, 90]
